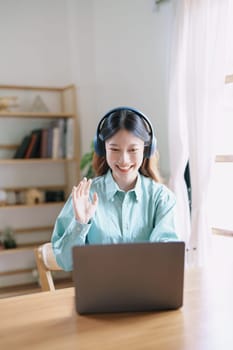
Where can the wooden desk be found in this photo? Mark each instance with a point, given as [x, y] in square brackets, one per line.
[48, 320]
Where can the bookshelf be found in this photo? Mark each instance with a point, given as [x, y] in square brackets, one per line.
[32, 223]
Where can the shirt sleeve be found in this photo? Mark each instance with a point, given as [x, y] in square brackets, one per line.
[67, 233]
[164, 222]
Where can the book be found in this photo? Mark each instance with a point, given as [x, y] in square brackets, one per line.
[59, 139]
[55, 142]
[36, 149]
[33, 150]
[21, 150]
[69, 139]
[50, 142]
[61, 146]
[44, 143]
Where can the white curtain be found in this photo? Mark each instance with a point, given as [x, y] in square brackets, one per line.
[197, 72]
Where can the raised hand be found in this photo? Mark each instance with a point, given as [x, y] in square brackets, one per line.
[84, 208]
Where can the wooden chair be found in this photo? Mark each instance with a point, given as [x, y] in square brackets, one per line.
[46, 263]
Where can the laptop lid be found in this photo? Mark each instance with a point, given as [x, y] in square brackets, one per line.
[128, 277]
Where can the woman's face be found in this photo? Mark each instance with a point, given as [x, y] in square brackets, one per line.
[124, 155]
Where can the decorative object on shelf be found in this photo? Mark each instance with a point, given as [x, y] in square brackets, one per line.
[157, 4]
[20, 197]
[38, 105]
[159, 1]
[34, 196]
[3, 197]
[35, 275]
[11, 198]
[1, 242]
[86, 163]
[54, 196]
[6, 102]
[9, 241]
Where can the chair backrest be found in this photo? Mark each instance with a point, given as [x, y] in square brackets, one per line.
[46, 263]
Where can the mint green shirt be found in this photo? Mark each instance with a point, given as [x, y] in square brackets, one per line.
[145, 213]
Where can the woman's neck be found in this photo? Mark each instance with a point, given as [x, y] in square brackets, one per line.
[124, 186]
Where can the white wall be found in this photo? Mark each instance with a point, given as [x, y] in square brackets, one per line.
[116, 52]
[120, 53]
[34, 45]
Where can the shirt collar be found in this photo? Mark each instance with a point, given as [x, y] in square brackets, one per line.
[113, 188]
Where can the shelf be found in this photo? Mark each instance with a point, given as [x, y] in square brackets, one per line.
[38, 187]
[36, 88]
[16, 272]
[222, 232]
[19, 206]
[21, 248]
[226, 158]
[35, 115]
[9, 147]
[36, 160]
[229, 79]
[32, 229]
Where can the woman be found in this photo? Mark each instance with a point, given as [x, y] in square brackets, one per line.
[126, 201]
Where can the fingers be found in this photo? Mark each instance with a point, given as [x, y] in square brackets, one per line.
[83, 188]
[87, 187]
[84, 207]
[74, 195]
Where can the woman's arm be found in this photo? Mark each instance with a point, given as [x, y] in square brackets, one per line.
[67, 233]
[164, 222]
[73, 223]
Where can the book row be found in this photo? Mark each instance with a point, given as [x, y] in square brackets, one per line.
[55, 141]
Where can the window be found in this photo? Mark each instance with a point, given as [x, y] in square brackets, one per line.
[221, 187]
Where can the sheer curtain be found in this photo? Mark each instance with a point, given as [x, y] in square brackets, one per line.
[196, 90]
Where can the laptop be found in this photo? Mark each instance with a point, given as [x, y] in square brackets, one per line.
[128, 277]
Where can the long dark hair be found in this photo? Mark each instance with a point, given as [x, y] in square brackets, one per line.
[130, 121]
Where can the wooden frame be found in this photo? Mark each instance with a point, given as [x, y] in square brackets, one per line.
[46, 263]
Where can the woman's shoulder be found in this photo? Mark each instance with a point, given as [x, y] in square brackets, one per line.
[156, 188]
[98, 182]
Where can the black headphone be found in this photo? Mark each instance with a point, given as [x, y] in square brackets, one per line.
[99, 144]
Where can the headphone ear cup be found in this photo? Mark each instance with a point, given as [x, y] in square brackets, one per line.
[99, 146]
[151, 149]
[153, 146]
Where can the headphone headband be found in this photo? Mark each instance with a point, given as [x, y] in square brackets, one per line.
[99, 145]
